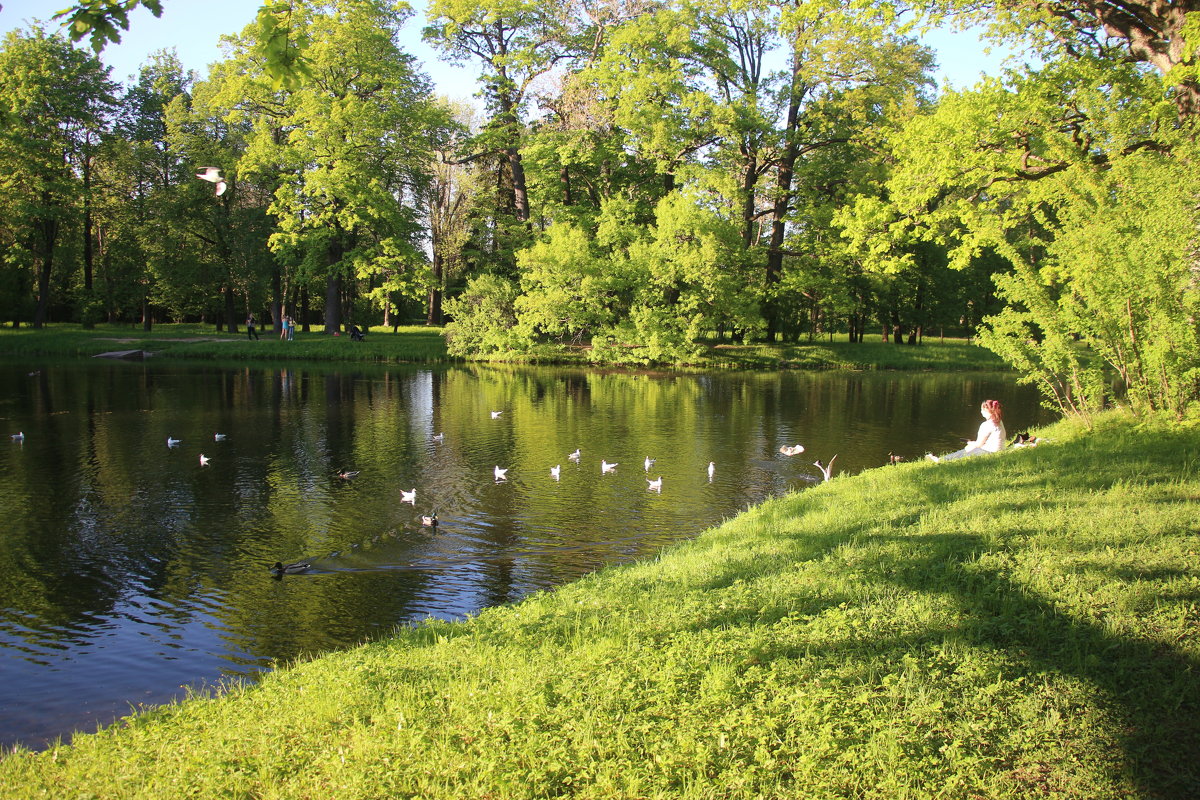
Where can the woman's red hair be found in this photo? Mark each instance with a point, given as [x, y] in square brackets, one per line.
[993, 409]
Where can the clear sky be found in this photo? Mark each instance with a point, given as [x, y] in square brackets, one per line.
[194, 29]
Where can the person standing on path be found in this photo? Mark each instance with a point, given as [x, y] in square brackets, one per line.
[250, 332]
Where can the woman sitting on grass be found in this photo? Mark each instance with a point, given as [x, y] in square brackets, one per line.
[990, 438]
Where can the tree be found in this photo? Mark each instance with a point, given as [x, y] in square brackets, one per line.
[54, 100]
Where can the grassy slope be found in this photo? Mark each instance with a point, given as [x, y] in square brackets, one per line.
[1023, 625]
[421, 344]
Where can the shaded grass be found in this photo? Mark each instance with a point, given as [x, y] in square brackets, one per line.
[1020, 625]
[423, 345]
[409, 344]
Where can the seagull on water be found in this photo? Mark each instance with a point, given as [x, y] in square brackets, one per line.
[496, 414]
[792, 449]
[172, 442]
[437, 437]
[575, 456]
[213, 175]
[218, 437]
[655, 485]
[606, 467]
[712, 468]
[555, 471]
[649, 462]
[409, 497]
[348, 475]
[203, 460]
[430, 521]
[19, 436]
[500, 473]
[826, 469]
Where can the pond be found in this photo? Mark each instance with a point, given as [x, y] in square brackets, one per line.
[130, 573]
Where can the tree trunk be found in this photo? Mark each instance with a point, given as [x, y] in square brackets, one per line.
[787, 164]
[305, 312]
[88, 322]
[48, 228]
[333, 286]
[230, 309]
[277, 298]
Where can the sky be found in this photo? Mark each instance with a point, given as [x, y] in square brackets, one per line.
[194, 29]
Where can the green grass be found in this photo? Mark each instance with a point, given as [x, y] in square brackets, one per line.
[410, 344]
[423, 345]
[1012, 626]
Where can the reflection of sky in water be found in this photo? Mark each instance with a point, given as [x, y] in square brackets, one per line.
[129, 571]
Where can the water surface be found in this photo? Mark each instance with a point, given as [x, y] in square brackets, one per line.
[129, 571]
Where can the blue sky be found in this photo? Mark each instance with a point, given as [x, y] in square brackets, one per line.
[194, 29]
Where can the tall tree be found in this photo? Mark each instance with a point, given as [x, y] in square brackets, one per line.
[54, 100]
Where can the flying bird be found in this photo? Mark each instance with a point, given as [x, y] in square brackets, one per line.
[213, 175]
[826, 469]
[655, 485]
[606, 467]
[555, 471]
[792, 449]
[409, 497]
[500, 473]
[203, 460]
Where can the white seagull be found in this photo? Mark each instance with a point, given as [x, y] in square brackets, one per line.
[792, 449]
[19, 436]
[218, 437]
[437, 437]
[606, 467]
[655, 485]
[172, 442]
[826, 469]
[555, 471]
[496, 414]
[712, 468]
[213, 175]
[500, 473]
[649, 463]
[203, 460]
[409, 497]
[575, 456]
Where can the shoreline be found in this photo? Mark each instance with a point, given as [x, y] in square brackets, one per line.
[996, 626]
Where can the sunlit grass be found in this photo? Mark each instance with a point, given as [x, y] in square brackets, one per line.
[1012, 626]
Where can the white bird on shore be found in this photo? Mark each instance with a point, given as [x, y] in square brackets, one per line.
[213, 175]
[500, 473]
[18, 436]
[409, 497]
[792, 449]
[172, 442]
[826, 469]
[555, 471]
[496, 414]
[649, 463]
[712, 468]
[606, 467]
[203, 460]
[218, 437]
[575, 456]
[655, 485]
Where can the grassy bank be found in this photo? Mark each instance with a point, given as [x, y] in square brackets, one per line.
[1014, 626]
[419, 344]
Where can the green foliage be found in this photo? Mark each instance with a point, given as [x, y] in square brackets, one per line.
[483, 319]
[99, 20]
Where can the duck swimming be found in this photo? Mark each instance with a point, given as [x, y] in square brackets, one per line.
[280, 569]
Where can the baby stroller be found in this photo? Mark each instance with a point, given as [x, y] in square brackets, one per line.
[356, 334]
